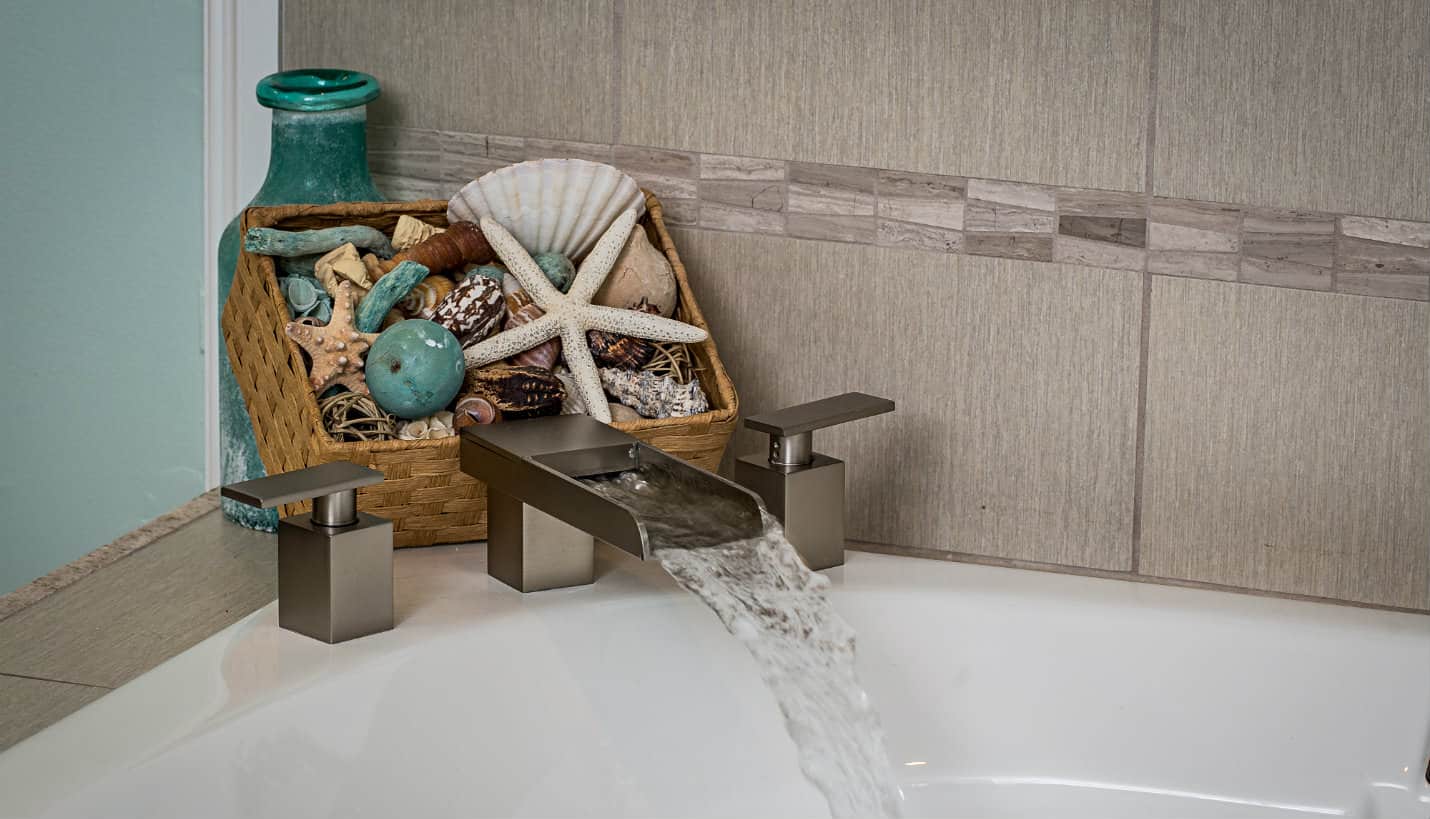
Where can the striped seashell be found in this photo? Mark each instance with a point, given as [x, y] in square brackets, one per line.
[422, 300]
[520, 309]
[472, 310]
[518, 392]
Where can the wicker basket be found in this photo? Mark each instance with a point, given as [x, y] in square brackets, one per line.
[425, 494]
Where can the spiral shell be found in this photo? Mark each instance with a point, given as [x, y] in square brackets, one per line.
[461, 244]
[518, 392]
[654, 396]
[474, 409]
[422, 300]
[520, 309]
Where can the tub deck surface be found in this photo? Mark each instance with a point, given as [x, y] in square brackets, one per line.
[1003, 693]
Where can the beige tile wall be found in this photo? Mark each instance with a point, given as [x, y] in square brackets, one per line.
[1175, 418]
[1016, 386]
[1316, 104]
[536, 67]
[1052, 91]
[1287, 442]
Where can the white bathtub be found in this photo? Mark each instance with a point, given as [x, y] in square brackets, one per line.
[1003, 692]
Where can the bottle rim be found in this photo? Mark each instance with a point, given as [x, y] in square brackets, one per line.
[317, 89]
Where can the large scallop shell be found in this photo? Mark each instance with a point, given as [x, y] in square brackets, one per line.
[550, 205]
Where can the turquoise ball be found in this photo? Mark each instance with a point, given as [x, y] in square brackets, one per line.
[414, 368]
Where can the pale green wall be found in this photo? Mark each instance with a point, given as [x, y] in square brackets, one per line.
[101, 195]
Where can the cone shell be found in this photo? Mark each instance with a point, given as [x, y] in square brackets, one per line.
[517, 392]
[550, 205]
[422, 300]
[472, 310]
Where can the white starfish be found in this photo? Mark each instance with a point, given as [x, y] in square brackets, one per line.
[571, 314]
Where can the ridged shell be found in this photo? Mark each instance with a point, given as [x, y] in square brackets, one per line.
[625, 352]
[518, 392]
[422, 300]
[550, 205]
[520, 309]
[472, 310]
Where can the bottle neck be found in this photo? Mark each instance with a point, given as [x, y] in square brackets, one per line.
[318, 158]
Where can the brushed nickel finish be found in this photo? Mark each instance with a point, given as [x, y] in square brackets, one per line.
[335, 565]
[530, 550]
[336, 509]
[800, 487]
[532, 466]
[335, 584]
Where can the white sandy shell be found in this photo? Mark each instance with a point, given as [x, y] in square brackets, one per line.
[437, 425]
[550, 205]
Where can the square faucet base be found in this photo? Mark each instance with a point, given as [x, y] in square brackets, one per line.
[335, 583]
[530, 550]
[808, 500]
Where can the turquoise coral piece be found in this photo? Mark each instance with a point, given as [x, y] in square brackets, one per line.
[274, 242]
[385, 295]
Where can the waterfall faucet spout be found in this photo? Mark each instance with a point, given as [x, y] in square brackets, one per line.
[542, 520]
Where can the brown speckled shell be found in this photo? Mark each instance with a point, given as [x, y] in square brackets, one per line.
[625, 352]
[518, 392]
[472, 310]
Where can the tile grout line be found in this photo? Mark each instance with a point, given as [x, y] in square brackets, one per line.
[1144, 329]
[618, 36]
[52, 680]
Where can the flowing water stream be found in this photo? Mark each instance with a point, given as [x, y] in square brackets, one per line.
[755, 582]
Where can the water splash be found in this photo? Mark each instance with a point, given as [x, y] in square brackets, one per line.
[781, 611]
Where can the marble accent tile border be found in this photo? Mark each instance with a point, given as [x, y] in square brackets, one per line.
[123, 546]
[1120, 230]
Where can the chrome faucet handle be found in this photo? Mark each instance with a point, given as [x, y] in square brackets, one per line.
[791, 429]
[332, 486]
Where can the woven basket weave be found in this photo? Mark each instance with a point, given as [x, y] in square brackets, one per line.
[425, 494]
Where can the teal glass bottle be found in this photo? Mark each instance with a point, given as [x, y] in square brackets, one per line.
[318, 157]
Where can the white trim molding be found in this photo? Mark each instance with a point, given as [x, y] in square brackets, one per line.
[240, 48]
